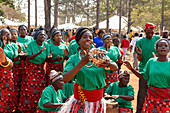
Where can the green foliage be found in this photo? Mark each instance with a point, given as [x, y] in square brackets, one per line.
[151, 11]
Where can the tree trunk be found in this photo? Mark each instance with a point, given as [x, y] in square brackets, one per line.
[120, 16]
[97, 13]
[162, 27]
[87, 12]
[129, 16]
[56, 13]
[35, 13]
[107, 29]
[28, 15]
[47, 10]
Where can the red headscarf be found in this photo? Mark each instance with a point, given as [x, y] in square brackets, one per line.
[149, 27]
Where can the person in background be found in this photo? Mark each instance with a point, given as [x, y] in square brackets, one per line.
[165, 34]
[122, 92]
[145, 49]
[131, 35]
[140, 36]
[157, 33]
[62, 33]
[127, 35]
[132, 49]
[49, 41]
[124, 45]
[66, 36]
[142, 32]
[114, 54]
[70, 33]
[156, 72]
[52, 97]
[23, 38]
[116, 42]
[98, 40]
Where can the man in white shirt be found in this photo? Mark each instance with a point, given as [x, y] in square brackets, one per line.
[132, 49]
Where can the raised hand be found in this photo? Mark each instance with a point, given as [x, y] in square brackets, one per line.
[59, 58]
[19, 48]
[2, 56]
[128, 65]
[85, 59]
[138, 50]
[50, 56]
[42, 49]
[66, 52]
[23, 53]
[115, 96]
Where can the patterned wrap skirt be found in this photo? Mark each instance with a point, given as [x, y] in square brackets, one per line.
[17, 73]
[85, 101]
[33, 82]
[157, 100]
[125, 110]
[53, 66]
[110, 78]
[7, 93]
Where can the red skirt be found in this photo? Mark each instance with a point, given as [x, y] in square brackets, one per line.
[110, 79]
[125, 110]
[53, 66]
[157, 100]
[6, 91]
[17, 73]
[33, 83]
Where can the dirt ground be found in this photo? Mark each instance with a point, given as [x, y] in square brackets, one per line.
[134, 81]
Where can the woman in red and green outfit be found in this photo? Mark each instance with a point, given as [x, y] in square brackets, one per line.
[113, 54]
[6, 82]
[18, 60]
[34, 79]
[90, 79]
[156, 72]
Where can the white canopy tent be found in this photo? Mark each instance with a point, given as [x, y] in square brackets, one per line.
[113, 23]
[68, 26]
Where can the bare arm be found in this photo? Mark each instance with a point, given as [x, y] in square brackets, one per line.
[52, 105]
[128, 65]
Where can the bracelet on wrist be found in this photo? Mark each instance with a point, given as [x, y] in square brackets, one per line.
[6, 64]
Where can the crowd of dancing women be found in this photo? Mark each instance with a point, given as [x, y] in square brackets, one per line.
[35, 79]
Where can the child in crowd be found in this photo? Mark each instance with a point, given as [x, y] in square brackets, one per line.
[122, 92]
[124, 45]
[52, 97]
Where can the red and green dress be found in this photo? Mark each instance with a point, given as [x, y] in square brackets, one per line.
[34, 79]
[124, 105]
[158, 96]
[88, 89]
[7, 93]
[113, 54]
[17, 69]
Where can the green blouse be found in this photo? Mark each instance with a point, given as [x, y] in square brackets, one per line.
[34, 48]
[157, 73]
[113, 53]
[57, 50]
[49, 95]
[26, 40]
[147, 46]
[89, 78]
[114, 89]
